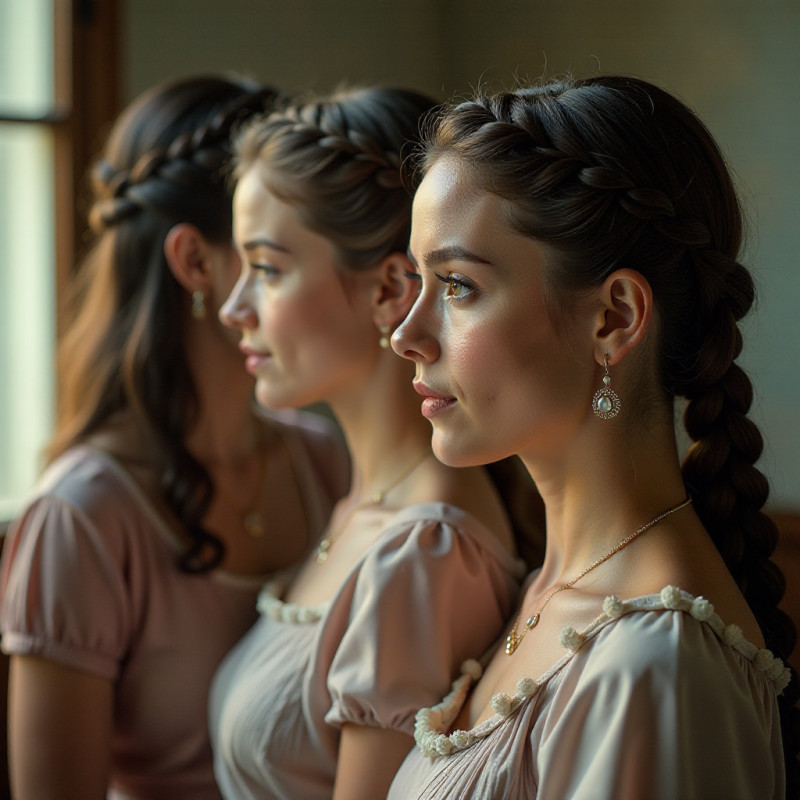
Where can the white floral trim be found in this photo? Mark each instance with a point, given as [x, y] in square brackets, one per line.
[432, 722]
[270, 605]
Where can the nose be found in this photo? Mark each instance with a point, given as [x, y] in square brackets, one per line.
[414, 338]
[237, 311]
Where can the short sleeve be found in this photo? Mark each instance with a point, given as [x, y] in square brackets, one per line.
[62, 589]
[658, 707]
[423, 601]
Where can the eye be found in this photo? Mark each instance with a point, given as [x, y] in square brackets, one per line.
[265, 271]
[458, 287]
[413, 276]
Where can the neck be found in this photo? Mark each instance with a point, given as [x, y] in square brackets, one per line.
[226, 429]
[612, 480]
[382, 425]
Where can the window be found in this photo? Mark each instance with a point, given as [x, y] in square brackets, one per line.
[58, 88]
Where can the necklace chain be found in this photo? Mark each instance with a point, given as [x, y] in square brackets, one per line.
[514, 637]
[375, 499]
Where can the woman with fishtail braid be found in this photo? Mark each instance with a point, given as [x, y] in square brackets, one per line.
[577, 248]
[169, 496]
[318, 700]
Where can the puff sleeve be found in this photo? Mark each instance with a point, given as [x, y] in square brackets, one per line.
[658, 707]
[62, 588]
[429, 595]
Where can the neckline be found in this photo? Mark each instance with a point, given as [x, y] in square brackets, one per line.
[269, 602]
[432, 723]
[160, 525]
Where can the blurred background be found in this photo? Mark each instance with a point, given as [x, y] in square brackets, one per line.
[68, 66]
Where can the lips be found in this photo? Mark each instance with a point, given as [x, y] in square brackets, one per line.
[254, 358]
[433, 402]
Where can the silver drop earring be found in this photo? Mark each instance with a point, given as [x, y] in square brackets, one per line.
[605, 402]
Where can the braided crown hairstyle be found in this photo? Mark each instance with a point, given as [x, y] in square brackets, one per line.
[123, 348]
[339, 161]
[612, 172]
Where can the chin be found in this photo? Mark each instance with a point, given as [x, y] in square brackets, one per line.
[455, 451]
[267, 397]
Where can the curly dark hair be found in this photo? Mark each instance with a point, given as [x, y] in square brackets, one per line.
[164, 163]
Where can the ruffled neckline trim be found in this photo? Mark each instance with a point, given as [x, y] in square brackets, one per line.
[270, 605]
[431, 723]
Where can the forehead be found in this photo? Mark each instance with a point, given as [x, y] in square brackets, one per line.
[451, 208]
[256, 209]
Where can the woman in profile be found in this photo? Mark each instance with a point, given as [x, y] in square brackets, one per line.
[577, 245]
[168, 497]
[419, 566]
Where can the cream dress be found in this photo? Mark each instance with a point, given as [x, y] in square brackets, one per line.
[433, 588]
[657, 699]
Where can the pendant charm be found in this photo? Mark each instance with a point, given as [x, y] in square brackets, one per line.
[322, 551]
[254, 524]
[512, 642]
[531, 622]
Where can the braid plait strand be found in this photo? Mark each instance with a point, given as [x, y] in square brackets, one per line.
[193, 159]
[571, 192]
[353, 154]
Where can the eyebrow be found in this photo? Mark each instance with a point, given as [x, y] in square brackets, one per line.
[262, 241]
[445, 254]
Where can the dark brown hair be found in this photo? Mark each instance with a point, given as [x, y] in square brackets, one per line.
[613, 172]
[339, 161]
[123, 348]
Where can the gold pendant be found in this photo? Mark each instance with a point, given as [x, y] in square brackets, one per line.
[512, 642]
[531, 622]
[254, 524]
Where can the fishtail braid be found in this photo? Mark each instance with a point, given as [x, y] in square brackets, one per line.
[612, 172]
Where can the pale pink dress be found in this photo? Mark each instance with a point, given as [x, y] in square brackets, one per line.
[657, 699]
[434, 587]
[89, 580]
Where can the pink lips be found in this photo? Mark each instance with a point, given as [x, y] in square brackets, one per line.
[433, 403]
[253, 358]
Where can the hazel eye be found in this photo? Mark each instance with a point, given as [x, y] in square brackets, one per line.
[458, 288]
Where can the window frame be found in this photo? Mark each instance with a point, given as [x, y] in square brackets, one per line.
[87, 96]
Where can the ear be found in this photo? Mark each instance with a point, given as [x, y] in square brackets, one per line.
[626, 307]
[394, 292]
[187, 251]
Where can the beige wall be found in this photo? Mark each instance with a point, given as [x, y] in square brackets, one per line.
[736, 62]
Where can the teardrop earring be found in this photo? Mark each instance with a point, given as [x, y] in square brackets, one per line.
[605, 402]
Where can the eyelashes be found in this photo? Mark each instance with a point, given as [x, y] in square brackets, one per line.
[458, 287]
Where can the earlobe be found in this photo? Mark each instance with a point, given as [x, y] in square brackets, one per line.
[186, 252]
[627, 307]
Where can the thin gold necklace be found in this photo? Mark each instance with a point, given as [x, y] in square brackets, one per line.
[514, 638]
[375, 499]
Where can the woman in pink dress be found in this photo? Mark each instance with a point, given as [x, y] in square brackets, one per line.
[169, 497]
[577, 245]
[420, 563]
